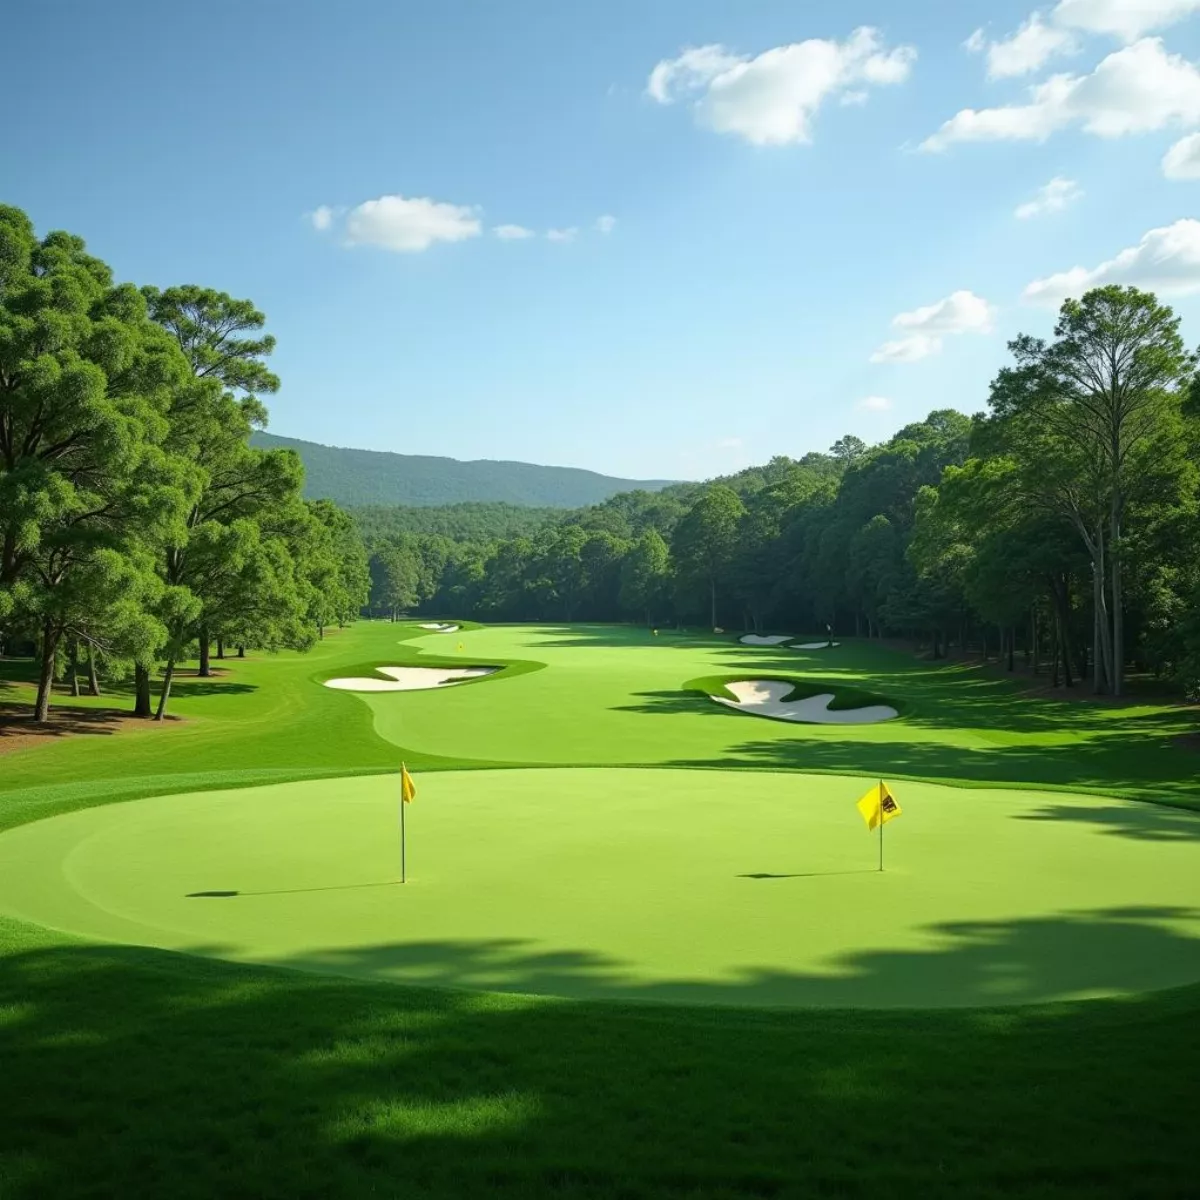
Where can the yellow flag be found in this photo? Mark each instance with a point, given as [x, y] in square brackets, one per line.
[878, 806]
[408, 789]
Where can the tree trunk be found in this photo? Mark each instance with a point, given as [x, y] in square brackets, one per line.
[321, 631]
[93, 677]
[1033, 641]
[165, 694]
[41, 708]
[220, 647]
[1012, 647]
[713, 596]
[241, 652]
[1103, 673]
[205, 668]
[141, 691]
[1117, 676]
[73, 666]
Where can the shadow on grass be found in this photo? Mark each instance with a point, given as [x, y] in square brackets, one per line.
[133, 1072]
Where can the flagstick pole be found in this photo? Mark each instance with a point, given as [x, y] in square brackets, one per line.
[403, 840]
[881, 824]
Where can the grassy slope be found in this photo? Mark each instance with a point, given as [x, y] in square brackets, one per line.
[139, 1072]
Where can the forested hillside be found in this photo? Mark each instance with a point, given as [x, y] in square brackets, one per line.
[1062, 521]
[138, 525]
[375, 477]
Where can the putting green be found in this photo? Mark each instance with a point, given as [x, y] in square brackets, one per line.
[693, 886]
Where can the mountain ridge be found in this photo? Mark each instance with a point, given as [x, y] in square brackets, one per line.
[350, 476]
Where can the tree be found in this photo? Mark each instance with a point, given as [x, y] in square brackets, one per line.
[644, 575]
[85, 386]
[1090, 410]
[704, 542]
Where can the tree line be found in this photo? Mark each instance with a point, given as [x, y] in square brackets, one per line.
[138, 527]
[1062, 521]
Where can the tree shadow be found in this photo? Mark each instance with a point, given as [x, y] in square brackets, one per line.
[135, 1072]
[1143, 822]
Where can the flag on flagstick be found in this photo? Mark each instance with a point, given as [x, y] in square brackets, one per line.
[878, 807]
[408, 793]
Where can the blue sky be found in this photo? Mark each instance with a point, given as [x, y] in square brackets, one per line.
[804, 239]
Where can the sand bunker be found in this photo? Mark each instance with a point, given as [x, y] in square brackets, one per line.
[814, 645]
[410, 679]
[754, 639]
[764, 698]
[440, 628]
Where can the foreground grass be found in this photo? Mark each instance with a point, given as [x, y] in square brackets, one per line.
[129, 1072]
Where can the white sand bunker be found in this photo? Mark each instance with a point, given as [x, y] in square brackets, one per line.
[410, 679]
[814, 645]
[438, 627]
[754, 639]
[765, 698]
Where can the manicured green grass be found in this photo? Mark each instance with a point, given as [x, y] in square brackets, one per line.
[684, 886]
[140, 1072]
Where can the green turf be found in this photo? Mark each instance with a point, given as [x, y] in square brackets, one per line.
[138, 1072]
[685, 886]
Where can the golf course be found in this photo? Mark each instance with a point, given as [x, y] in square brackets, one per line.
[591, 829]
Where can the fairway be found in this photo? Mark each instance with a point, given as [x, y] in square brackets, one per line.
[688, 886]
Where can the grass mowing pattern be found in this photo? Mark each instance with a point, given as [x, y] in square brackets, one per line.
[137, 1072]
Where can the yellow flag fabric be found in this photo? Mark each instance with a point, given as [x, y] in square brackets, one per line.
[408, 789]
[878, 806]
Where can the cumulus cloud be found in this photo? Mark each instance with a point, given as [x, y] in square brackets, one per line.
[960, 312]
[1166, 261]
[1053, 197]
[1029, 49]
[606, 223]
[771, 98]
[512, 233]
[1137, 89]
[410, 224]
[1182, 161]
[562, 235]
[874, 404]
[321, 217]
[1127, 19]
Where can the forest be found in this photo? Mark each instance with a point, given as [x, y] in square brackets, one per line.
[138, 526]
[1061, 522]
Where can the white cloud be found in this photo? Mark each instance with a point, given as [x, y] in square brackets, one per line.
[321, 217]
[562, 235]
[606, 223]
[771, 99]
[874, 403]
[1127, 19]
[960, 312]
[909, 349]
[1137, 89]
[976, 43]
[693, 70]
[1166, 260]
[512, 233]
[1030, 48]
[854, 99]
[409, 224]
[1182, 161]
[1053, 197]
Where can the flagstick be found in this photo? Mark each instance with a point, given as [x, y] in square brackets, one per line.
[403, 841]
[881, 824]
